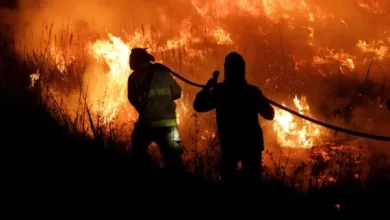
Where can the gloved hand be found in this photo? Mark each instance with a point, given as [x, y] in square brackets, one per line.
[213, 81]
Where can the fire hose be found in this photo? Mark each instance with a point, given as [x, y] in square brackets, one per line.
[326, 125]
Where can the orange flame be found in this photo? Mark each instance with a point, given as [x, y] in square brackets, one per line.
[115, 53]
[295, 133]
[195, 36]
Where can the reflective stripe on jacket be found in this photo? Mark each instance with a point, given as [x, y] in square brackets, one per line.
[156, 106]
[156, 92]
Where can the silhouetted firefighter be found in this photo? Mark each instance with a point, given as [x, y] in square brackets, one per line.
[152, 91]
[237, 105]
[388, 104]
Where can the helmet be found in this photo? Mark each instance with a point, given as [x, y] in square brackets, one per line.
[139, 56]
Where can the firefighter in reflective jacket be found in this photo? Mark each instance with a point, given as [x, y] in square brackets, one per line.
[152, 91]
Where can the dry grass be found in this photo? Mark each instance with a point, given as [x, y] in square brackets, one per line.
[79, 143]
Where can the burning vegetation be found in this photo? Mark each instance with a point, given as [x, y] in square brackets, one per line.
[296, 133]
[324, 60]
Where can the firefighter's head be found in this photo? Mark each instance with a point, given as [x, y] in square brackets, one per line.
[234, 67]
[139, 57]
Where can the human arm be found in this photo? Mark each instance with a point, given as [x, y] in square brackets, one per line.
[205, 100]
[175, 88]
[263, 107]
[131, 92]
[167, 78]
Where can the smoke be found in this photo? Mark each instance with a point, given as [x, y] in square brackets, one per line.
[100, 15]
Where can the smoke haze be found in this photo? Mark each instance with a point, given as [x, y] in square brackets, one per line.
[314, 48]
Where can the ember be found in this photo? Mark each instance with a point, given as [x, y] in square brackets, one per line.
[194, 42]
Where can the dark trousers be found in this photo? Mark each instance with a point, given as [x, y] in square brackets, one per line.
[167, 139]
[251, 159]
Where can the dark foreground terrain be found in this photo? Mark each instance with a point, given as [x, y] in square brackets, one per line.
[46, 166]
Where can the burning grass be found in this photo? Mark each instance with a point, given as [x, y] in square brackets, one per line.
[79, 78]
[100, 110]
